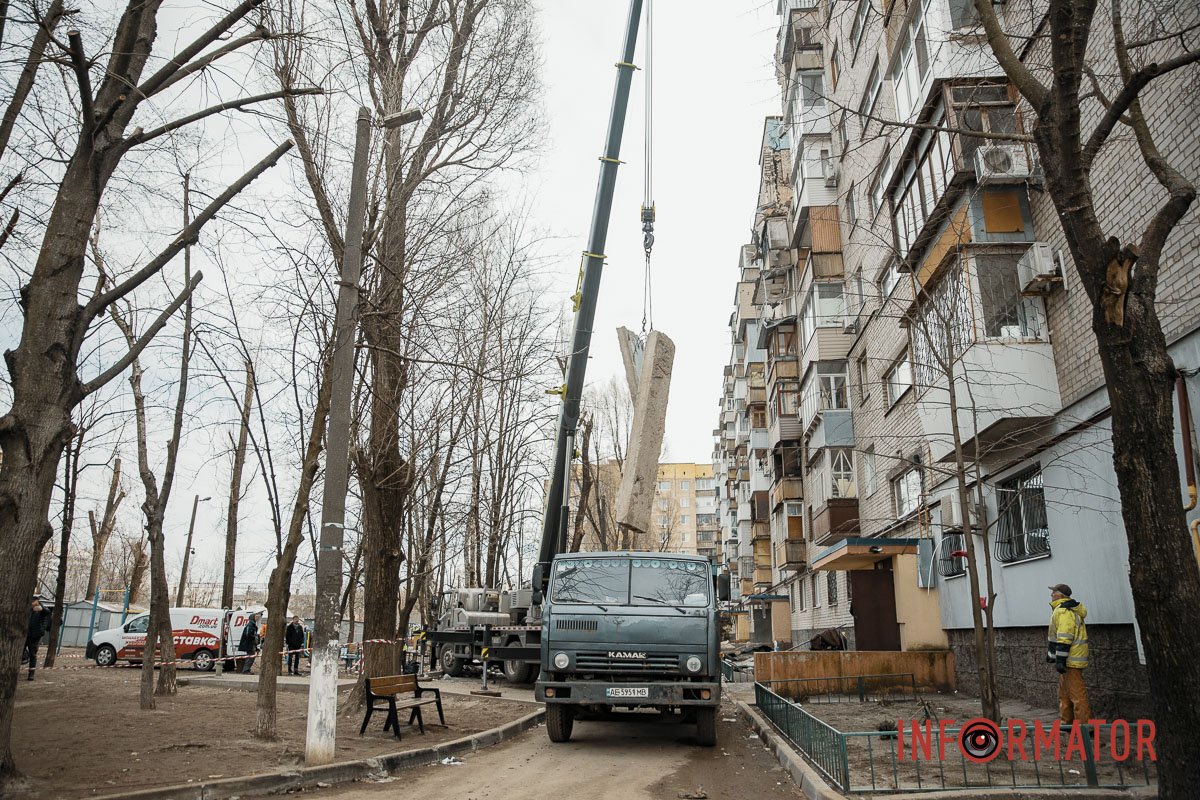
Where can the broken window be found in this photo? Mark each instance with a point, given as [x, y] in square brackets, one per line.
[906, 491]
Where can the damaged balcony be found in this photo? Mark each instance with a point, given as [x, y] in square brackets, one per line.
[836, 519]
[792, 555]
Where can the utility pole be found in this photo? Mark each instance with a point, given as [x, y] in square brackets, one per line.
[187, 551]
[322, 691]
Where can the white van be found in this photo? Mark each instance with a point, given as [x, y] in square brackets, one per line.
[197, 634]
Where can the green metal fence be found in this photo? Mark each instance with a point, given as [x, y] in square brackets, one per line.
[883, 761]
[734, 674]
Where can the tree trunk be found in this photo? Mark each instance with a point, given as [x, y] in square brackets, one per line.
[235, 491]
[70, 488]
[138, 576]
[101, 534]
[279, 591]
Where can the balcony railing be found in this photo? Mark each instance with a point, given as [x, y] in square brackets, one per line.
[792, 555]
[786, 489]
[837, 519]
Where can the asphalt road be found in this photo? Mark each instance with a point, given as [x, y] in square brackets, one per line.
[603, 761]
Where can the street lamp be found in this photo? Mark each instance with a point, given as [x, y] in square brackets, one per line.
[322, 687]
[187, 551]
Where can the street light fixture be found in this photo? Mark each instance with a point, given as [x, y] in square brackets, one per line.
[400, 118]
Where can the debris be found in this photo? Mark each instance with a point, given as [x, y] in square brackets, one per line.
[728, 719]
[323, 785]
[451, 761]
[1073, 771]
[752, 736]
[696, 795]
[888, 727]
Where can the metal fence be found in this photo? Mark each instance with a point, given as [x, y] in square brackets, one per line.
[735, 674]
[883, 761]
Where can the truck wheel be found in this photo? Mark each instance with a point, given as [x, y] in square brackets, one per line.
[706, 727]
[451, 664]
[106, 655]
[202, 661]
[559, 722]
[519, 671]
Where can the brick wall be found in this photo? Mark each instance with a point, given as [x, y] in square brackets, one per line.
[1116, 681]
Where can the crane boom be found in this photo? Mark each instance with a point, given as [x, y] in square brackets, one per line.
[554, 526]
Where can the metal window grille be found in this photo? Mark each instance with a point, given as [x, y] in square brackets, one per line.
[950, 564]
[1022, 530]
[832, 594]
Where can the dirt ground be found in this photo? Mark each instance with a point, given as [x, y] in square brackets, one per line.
[890, 772]
[79, 733]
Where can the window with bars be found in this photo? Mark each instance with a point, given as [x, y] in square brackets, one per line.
[1022, 531]
[832, 588]
[950, 564]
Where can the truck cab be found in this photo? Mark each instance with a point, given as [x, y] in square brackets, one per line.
[624, 631]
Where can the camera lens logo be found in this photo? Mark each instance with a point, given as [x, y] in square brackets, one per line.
[979, 740]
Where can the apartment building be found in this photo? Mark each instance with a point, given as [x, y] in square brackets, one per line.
[924, 268]
[684, 518]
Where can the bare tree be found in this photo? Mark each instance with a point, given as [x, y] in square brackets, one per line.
[102, 532]
[44, 367]
[235, 489]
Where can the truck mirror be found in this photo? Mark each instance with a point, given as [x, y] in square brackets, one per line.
[536, 597]
[541, 576]
[723, 587]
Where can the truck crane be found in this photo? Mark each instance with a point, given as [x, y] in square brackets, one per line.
[607, 633]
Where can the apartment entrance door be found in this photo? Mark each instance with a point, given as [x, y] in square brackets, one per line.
[874, 609]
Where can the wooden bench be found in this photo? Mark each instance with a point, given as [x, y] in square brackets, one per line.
[387, 689]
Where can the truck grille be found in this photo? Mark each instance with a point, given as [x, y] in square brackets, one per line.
[576, 624]
[653, 662]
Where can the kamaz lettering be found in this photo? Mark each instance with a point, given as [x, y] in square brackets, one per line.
[613, 654]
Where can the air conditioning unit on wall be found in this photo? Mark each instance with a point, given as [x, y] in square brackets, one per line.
[952, 513]
[1002, 163]
[1037, 270]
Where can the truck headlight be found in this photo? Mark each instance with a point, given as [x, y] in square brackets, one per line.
[693, 664]
[561, 660]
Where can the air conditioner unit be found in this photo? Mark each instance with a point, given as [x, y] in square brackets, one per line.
[1002, 163]
[952, 515]
[1037, 271]
[831, 177]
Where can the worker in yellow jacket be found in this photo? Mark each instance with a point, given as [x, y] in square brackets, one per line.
[1067, 649]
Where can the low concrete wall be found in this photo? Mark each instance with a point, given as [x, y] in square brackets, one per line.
[932, 669]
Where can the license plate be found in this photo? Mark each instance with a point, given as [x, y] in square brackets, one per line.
[627, 691]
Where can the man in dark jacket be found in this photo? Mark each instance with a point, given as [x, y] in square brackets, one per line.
[39, 621]
[249, 643]
[293, 637]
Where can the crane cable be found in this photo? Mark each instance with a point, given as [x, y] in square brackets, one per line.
[648, 195]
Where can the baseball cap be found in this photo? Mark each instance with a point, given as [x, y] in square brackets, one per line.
[1061, 588]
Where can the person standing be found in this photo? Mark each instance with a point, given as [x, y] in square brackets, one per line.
[293, 637]
[1067, 649]
[39, 621]
[248, 644]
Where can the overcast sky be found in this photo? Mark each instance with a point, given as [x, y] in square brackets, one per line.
[713, 84]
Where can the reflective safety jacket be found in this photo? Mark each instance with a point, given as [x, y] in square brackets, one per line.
[1067, 637]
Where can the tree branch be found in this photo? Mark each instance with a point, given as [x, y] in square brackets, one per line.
[160, 80]
[141, 137]
[137, 347]
[97, 304]
[24, 84]
[1128, 95]
[1012, 65]
[80, 65]
[260, 33]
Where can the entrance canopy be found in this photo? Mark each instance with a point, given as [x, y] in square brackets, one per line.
[860, 553]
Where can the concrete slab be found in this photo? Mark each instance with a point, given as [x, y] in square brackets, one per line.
[635, 498]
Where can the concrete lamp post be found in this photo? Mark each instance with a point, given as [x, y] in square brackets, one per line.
[322, 690]
[187, 551]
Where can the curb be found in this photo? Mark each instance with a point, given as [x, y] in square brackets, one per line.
[806, 778]
[343, 772]
[816, 787]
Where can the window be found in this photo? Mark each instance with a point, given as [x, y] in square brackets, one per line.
[888, 279]
[866, 106]
[816, 592]
[831, 589]
[851, 211]
[663, 504]
[835, 67]
[683, 520]
[843, 137]
[800, 593]
[869, 472]
[864, 379]
[950, 564]
[685, 486]
[812, 90]
[980, 107]
[824, 388]
[860, 24]
[841, 472]
[664, 521]
[664, 486]
[1023, 531]
[683, 502]
[794, 509]
[1007, 314]
[944, 331]
[912, 63]
[138, 624]
[906, 490]
[898, 380]
[879, 183]
[963, 14]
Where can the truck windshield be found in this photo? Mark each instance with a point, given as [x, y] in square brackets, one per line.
[637, 581]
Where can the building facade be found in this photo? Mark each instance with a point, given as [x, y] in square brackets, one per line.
[908, 268]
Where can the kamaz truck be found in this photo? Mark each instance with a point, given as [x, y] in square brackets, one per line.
[629, 631]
